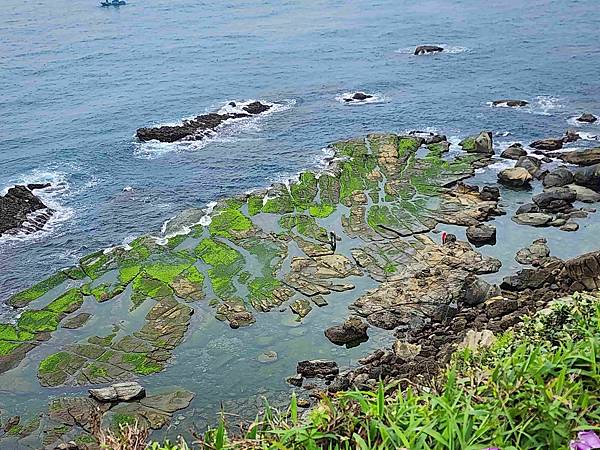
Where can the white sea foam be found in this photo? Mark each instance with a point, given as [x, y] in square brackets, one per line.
[376, 98]
[546, 105]
[52, 197]
[228, 131]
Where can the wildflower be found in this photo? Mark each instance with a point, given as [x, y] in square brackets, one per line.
[586, 440]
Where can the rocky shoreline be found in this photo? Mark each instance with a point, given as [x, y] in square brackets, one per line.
[372, 213]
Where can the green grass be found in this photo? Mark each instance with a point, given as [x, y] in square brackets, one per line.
[533, 388]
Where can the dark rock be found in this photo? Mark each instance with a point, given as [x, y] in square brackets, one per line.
[12, 422]
[587, 157]
[317, 368]
[528, 208]
[587, 117]
[588, 177]
[359, 96]
[295, 380]
[352, 331]
[489, 193]
[481, 234]
[514, 151]
[16, 208]
[118, 392]
[423, 49]
[555, 199]
[527, 279]
[511, 103]
[558, 177]
[501, 307]
[547, 144]
[515, 177]
[428, 137]
[199, 127]
[571, 136]
[476, 291]
[584, 272]
[34, 186]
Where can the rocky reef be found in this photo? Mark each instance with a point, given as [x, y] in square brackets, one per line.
[21, 211]
[372, 213]
[202, 126]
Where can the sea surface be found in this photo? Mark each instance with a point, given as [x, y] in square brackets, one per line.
[77, 80]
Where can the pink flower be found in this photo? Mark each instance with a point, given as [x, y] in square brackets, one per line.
[586, 440]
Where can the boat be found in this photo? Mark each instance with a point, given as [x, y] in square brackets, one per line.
[113, 3]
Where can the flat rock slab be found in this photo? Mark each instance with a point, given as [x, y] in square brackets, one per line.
[118, 392]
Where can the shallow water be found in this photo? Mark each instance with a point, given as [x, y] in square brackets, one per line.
[77, 80]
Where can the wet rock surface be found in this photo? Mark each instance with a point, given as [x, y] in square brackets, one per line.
[511, 103]
[535, 254]
[547, 144]
[482, 143]
[587, 157]
[352, 332]
[424, 49]
[481, 234]
[587, 118]
[514, 151]
[201, 126]
[22, 211]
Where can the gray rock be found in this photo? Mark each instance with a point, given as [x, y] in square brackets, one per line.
[528, 208]
[533, 254]
[571, 136]
[489, 193]
[533, 219]
[515, 151]
[481, 234]
[267, 357]
[477, 291]
[587, 117]
[584, 194]
[570, 226]
[558, 177]
[352, 331]
[118, 392]
[532, 165]
[482, 143]
[588, 176]
[555, 199]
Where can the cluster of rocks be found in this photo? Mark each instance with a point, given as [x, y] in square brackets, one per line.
[421, 351]
[71, 422]
[199, 127]
[357, 97]
[511, 103]
[21, 211]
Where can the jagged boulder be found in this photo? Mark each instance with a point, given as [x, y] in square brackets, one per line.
[118, 392]
[17, 207]
[533, 254]
[555, 199]
[482, 143]
[588, 176]
[584, 271]
[532, 165]
[481, 234]
[317, 368]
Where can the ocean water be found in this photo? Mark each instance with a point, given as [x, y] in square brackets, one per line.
[77, 80]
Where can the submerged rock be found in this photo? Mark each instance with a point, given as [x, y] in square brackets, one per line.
[22, 211]
[119, 392]
[352, 332]
[587, 117]
[199, 127]
[514, 151]
[515, 177]
[423, 49]
[511, 103]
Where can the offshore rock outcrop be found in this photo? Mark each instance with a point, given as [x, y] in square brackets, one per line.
[21, 211]
[202, 126]
[424, 49]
